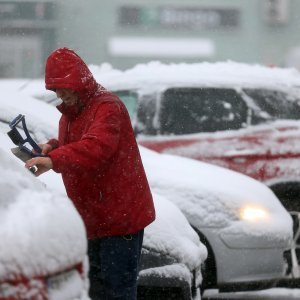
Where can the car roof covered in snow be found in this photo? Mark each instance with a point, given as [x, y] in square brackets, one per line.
[227, 74]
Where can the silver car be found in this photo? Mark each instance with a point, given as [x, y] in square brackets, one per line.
[244, 226]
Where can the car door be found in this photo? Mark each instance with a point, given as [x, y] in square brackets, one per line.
[225, 126]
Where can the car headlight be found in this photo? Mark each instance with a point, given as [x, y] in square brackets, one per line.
[253, 213]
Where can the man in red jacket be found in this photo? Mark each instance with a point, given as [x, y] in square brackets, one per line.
[98, 157]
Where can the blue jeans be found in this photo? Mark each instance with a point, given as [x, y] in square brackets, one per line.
[114, 265]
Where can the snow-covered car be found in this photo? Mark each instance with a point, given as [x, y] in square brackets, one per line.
[172, 253]
[43, 239]
[247, 231]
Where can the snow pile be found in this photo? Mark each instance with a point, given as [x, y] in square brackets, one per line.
[41, 231]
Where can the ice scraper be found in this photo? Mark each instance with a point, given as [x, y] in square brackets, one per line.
[22, 151]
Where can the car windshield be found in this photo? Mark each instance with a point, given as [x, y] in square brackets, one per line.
[276, 104]
[192, 110]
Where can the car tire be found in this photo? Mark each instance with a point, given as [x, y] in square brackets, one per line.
[289, 196]
[159, 293]
[209, 270]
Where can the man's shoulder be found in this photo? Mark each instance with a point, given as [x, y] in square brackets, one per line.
[107, 97]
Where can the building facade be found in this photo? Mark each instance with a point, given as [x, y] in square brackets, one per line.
[124, 33]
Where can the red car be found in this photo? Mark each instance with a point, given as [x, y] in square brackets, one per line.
[243, 117]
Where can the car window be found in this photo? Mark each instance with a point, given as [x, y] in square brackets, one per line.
[192, 110]
[276, 104]
[146, 119]
[130, 100]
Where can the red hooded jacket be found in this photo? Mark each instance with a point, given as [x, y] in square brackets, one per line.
[97, 154]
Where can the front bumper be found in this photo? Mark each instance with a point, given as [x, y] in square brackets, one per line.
[173, 278]
[242, 268]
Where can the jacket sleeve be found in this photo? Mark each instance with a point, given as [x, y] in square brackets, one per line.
[96, 146]
[53, 143]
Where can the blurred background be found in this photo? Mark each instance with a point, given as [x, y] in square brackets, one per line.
[125, 33]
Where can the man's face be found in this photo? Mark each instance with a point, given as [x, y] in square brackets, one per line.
[68, 96]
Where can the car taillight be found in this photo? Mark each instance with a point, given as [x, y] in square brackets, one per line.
[22, 289]
[40, 288]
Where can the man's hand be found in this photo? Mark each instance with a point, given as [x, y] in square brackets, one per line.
[46, 148]
[43, 164]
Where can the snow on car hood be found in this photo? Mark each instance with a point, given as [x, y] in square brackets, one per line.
[211, 196]
[41, 231]
[172, 235]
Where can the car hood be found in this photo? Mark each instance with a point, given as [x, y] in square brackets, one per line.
[211, 196]
[171, 235]
[42, 232]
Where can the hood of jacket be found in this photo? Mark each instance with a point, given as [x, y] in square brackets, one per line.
[65, 69]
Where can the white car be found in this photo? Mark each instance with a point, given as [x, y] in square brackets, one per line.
[172, 253]
[244, 226]
[43, 252]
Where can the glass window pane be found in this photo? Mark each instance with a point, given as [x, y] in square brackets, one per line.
[276, 104]
[192, 110]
